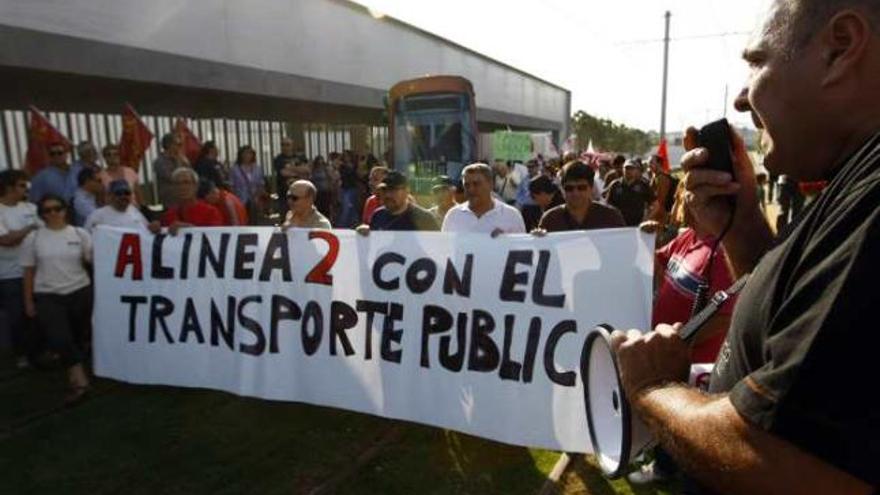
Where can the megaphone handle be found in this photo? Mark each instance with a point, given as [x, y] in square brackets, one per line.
[692, 328]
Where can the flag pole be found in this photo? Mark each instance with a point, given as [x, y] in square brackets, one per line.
[665, 78]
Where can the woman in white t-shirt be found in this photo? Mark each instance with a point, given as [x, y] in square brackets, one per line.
[57, 288]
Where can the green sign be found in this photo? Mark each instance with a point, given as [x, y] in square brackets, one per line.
[515, 146]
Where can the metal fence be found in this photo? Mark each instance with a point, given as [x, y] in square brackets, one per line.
[264, 136]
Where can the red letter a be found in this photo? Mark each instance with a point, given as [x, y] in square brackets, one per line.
[130, 254]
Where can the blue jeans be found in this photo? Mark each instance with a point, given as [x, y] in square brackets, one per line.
[348, 215]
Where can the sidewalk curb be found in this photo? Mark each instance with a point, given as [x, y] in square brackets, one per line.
[550, 484]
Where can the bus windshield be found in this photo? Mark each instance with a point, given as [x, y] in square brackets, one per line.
[432, 136]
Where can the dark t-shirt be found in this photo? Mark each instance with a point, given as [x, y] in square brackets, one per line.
[278, 164]
[210, 170]
[630, 199]
[533, 213]
[348, 176]
[413, 218]
[599, 216]
[798, 359]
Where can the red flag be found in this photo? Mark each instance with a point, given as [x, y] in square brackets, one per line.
[191, 146]
[663, 153]
[41, 133]
[136, 138]
[812, 188]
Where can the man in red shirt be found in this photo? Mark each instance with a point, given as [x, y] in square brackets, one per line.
[189, 211]
[232, 210]
[680, 268]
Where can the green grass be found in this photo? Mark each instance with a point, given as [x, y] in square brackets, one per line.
[146, 440]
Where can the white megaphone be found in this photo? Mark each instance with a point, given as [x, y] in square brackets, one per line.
[617, 436]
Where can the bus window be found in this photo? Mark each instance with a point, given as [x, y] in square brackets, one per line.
[433, 136]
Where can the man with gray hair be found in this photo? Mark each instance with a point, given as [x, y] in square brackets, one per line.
[301, 207]
[188, 209]
[789, 410]
[482, 212]
[87, 157]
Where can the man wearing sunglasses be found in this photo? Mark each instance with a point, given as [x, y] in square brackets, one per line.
[120, 212]
[57, 178]
[302, 212]
[579, 212]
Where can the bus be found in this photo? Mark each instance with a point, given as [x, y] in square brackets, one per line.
[433, 127]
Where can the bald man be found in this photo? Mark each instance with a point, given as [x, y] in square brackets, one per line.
[302, 212]
[788, 409]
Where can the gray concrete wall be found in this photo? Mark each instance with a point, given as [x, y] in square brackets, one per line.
[328, 51]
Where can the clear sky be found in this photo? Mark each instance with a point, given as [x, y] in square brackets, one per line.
[608, 53]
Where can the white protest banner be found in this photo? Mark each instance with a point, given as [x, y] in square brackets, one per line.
[464, 332]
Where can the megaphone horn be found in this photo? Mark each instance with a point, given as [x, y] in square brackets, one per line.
[616, 434]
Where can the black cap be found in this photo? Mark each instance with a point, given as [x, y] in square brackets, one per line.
[394, 180]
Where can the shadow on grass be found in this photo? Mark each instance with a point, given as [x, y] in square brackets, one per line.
[151, 439]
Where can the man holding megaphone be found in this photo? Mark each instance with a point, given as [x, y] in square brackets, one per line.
[787, 411]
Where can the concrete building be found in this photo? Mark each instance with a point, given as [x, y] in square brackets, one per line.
[252, 71]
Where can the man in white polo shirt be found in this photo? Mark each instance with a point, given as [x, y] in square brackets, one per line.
[119, 211]
[482, 212]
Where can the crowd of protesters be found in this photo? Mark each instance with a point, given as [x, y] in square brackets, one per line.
[786, 412]
[46, 221]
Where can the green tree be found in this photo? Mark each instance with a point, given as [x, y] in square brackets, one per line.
[609, 136]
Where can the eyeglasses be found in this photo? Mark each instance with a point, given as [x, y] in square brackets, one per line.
[579, 187]
[56, 152]
[293, 197]
[122, 193]
[54, 209]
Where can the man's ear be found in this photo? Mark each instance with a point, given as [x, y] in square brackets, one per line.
[844, 45]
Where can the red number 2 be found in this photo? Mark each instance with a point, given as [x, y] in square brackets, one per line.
[319, 274]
